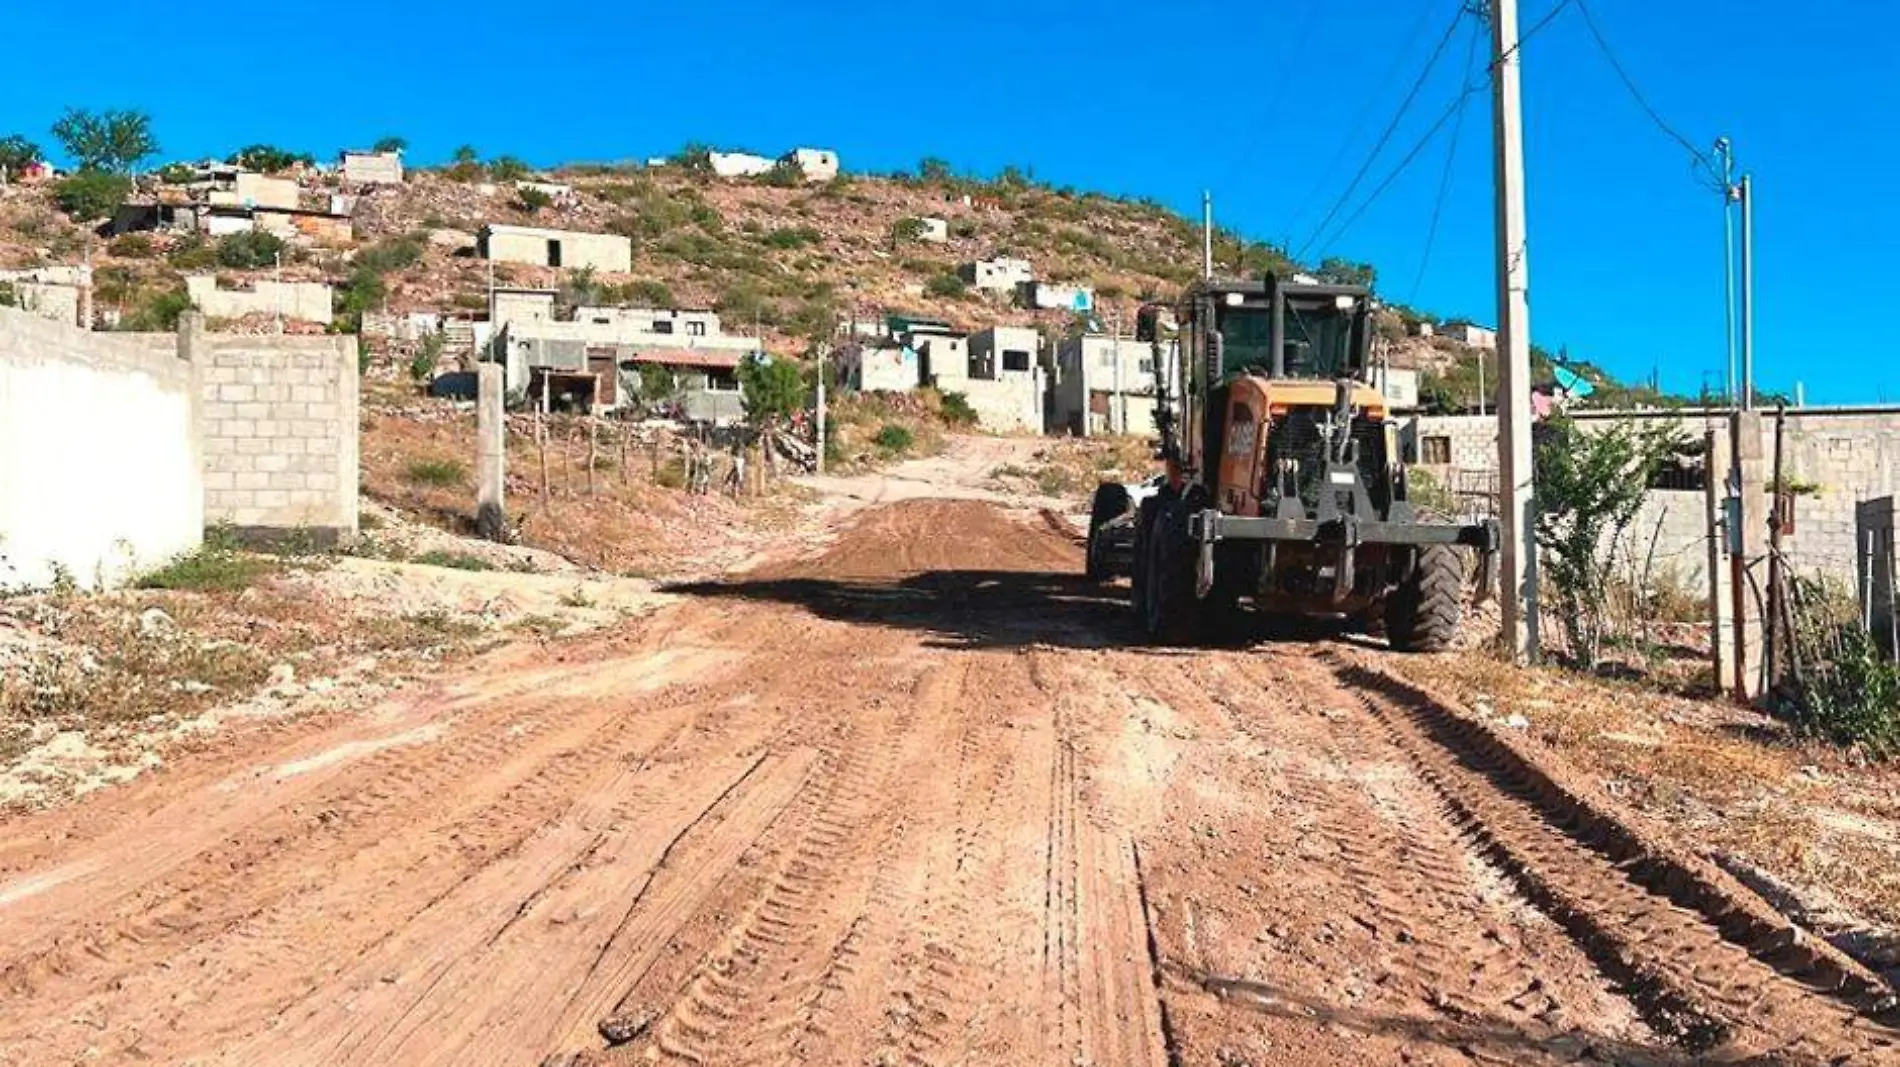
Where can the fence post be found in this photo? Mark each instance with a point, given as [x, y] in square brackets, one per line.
[1715, 463]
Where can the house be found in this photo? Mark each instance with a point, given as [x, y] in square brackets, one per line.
[1051, 297]
[600, 358]
[371, 168]
[1103, 385]
[243, 188]
[878, 366]
[1398, 385]
[508, 304]
[936, 231]
[1002, 274]
[998, 375]
[305, 301]
[323, 227]
[537, 247]
[1475, 336]
[739, 164]
[1420, 328]
[816, 164]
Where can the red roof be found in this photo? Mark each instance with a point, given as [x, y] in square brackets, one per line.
[689, 357]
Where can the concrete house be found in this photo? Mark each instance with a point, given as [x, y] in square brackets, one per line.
[537, 247]
[1048, 296]
[816, 164]
[1471, 334]
[1002, 274]
[596, 360]
[739, 164]
[1398, 385]
[879, 366]
[1103, 385]
[512, 304]
[935, 231]
[371, 168]
[999, 376]
[247, 189]
[305, 301]
[49, 292]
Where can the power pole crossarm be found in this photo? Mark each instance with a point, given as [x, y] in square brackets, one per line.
[1517, 562]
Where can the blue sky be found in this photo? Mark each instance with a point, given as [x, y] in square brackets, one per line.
[1625, 247]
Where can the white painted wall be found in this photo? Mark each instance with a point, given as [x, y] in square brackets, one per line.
[99, 453]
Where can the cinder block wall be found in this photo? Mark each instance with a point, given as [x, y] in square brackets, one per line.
[280, 442]
[99, 456]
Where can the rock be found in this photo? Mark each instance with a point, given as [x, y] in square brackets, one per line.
[282, 675]
[153, 622]
[622, 1027]
[1515, 721]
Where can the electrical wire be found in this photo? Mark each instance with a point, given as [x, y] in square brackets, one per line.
[1411, 95]
[1603, 45]
[1444, 181]
[1299, 39]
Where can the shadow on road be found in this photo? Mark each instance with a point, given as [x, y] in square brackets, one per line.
[986, 609]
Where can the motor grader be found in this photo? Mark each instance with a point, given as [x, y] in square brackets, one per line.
[1284, 479]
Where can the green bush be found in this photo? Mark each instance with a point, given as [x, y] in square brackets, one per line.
[956, 410]
[532, 200]
[131, 246]
[428, 354]
[265, 158]
[894, 439]
[249, 251]
[156, 311]
[17, 153]
[217, 566]
[437, 473]
[1843, 690]
[650, 292]
[793, 237]
[460, 561]
[391, 253]
[507, 169]
[946, 285]
[91, 195]
[193, 253]
[175, 174]
[771, 387]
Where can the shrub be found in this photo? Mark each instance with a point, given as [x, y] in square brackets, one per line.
[507, 169]
[91, 195]
[957, 411]
[771, 388]
[218, 565]
[156, 312]
[175, 174]
[946, 285]
[390, 144]
[131, 246]
[894, 439]
[793, 237]
[17, 153]
[436, 473]
[193, 253]
[532, 200]
[266, 158]
[650, 292]
[391, 253]
[249, 251]
[1843, 690]
[908, 228]
[428, 353]
[460, 561]
[785, 174]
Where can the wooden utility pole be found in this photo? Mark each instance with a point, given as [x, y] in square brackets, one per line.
[1517, 562]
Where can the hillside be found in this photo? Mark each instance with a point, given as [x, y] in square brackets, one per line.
[792, 258]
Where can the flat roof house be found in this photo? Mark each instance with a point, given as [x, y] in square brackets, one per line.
[536, 247]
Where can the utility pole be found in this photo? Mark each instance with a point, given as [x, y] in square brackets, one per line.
[1517, 562]
[1747, 193]
[1726, 151]
[1121, 398]
[1207, 233]
[824, 371]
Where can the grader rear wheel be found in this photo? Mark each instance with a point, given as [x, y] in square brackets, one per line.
[1421, 615]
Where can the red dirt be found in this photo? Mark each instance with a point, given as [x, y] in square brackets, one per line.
[918, 801]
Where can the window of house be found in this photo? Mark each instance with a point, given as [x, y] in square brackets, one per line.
[603, 322]
[1435, 449]
[660, 326]
[723, 382]
[983, 366]
[696, 329]
[1146, 366]
[1015, 359]
[554, 253]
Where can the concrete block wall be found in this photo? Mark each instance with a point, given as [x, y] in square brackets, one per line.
[280, 432]
[100, 468]
[307, 301]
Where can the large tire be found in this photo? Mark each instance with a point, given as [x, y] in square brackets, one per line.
[1144, 526]
[1169, 608]
[1421, 614]
[1110, 502]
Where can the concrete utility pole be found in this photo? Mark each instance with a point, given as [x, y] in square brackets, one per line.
[1726, 152]
[824, 371]
[1517, 562]
[1207, 233]
[491, 452]
[1121, 398]
[1747, 193]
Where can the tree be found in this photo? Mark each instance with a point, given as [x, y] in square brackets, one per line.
[249, 251]
[1345, 272]
[785, 174]
[1589, 488]
[932, 169]
[263, 157]
[112, 141]
[464, 165]
[772, 388]
[91, 195]
[694, 158]
[532, 199]
[507, 169]
[946, 284]
[390, 144]
[16, 154]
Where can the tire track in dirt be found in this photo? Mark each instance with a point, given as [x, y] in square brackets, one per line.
[1693, 981]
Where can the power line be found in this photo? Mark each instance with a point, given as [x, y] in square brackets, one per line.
[1418, 84]
[1701, 158]
[1444, 181]
[1279, 90]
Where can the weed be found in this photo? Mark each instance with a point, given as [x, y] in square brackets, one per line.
[214, 567]
[577, 599]
[460, 561]
[437, 473]
[894, 439]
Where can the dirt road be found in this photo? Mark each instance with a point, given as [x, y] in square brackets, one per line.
[917, 801]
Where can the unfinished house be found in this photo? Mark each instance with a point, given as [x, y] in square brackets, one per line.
[603, 357]
[883, 365]
[1047, 296]
[999, 376]
[1103, 385]
[509, 305]
[816, 164]
[371, 168]
[49, 292]
[242, 188]
[739, 164]
[303, 301]
[537, 247]
[933, 230]
[321, 227]
[1004, 274]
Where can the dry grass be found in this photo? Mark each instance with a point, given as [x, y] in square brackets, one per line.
[1071, 468]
